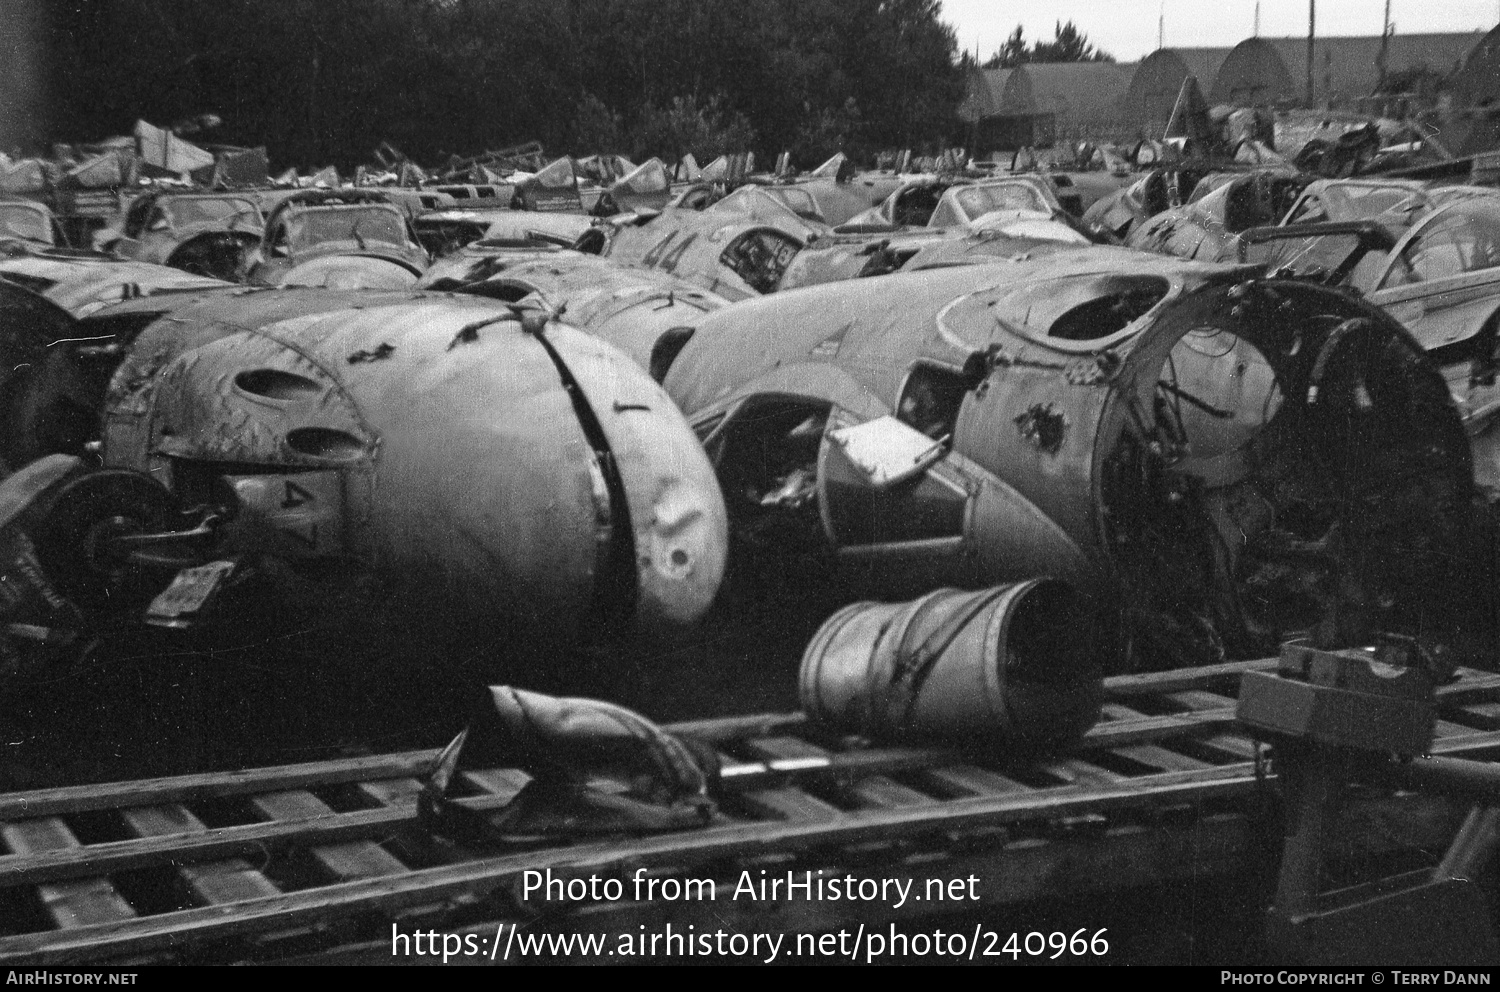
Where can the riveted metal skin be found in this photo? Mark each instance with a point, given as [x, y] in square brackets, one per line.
[517, 478]
[82, 283]
[629, 308]
[735, 249]
[1186, 437]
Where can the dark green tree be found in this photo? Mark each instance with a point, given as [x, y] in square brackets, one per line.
[1011, 54]
[325, 81]
[1068, 44]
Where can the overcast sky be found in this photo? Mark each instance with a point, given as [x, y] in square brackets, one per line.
[1127, 28]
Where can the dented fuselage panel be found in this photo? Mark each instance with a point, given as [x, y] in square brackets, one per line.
[645, 314]
[1231, 460]
[738, 248]
[484, 474]
[151, 333]
[82, 283]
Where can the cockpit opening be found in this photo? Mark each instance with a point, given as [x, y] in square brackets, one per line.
[1128, 299]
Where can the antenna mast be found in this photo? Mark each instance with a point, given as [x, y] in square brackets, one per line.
[1312, 30]
[1385, 41]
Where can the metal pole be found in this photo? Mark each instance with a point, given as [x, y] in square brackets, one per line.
[1385, 42]
[1312, 22]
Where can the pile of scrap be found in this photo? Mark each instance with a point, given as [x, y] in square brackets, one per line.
[318, 862]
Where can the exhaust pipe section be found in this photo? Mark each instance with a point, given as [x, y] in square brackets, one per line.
[1010, 664]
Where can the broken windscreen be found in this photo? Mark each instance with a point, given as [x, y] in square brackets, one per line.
[976, 201]
[358, 224]
[760, 257]
[209, 210]
[25, 222]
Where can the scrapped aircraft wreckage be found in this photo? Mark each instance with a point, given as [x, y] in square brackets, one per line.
[1231, 459]
[1207, 228]
[837, 201]
[1157, 190]
[756, 240]
[1393, 202]
[645, 187]
[316, 862]
[1429, 257]
[738, 248]
[1007, 237]
[444, 467]
[342, 239]
[551, 189]
[1225, 206]
[29, 223]
[443, 232]
[1440, 277]
[81, 282]
[648, 315]
[207, 234]
[958, 203]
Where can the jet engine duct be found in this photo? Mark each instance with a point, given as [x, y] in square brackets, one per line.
[1232, 459]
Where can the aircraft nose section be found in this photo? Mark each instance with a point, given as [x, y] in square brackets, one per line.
[678, 524]
[681, 544]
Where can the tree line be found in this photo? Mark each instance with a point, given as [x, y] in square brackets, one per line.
[1068, 44]
[324, 81]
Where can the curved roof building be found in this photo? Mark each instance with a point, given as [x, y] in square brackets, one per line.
[1158, 77]
[1345, 69]
[1073, 93]
[1476, 90]
[1037, 103]
[983, 97]
[1254, 74]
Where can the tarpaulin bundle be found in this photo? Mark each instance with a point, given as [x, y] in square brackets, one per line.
[659, 781]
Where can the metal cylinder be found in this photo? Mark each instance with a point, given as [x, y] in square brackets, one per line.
[1008, 663]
